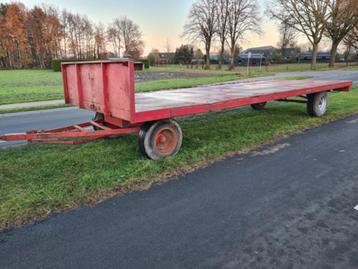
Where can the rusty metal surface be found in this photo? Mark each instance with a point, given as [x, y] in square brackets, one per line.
[212, 94]
[102, 86]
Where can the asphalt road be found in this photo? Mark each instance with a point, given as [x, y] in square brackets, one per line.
[325, 75]
[39, 120]
[289, 205]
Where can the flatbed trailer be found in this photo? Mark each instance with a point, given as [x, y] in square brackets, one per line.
[107, 88]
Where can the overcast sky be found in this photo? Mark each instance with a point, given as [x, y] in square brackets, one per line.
[159, 20]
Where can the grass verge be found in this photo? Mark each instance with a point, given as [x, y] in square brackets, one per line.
[37, 180]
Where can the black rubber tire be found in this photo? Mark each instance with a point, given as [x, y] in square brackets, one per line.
[98, 116]
[258, 106]
[141, 136]
[317, 104]
[148, 136]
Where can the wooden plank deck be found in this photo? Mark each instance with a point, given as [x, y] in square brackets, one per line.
[212, 94]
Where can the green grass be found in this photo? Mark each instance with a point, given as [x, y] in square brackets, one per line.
[38, 179]
[19, 86]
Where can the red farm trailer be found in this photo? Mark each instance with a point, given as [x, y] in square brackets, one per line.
[107, 88]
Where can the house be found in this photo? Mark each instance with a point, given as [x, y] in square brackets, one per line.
[267, 51]
[255, 59]
[307, 56]
[215, 58]
[275, 54]
[166, 57]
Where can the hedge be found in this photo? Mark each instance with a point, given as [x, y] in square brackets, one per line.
[56, 63]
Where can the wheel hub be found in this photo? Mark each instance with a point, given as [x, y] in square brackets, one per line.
[166, 141]
[322, 103]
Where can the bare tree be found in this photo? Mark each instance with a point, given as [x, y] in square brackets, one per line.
[100, 41]
[351, 42]
[131, 36]
[201, 24]
[306, 16]
[351, 38]
[124, 33]
[343, 16]
[221, 28]
[114, 36]
[243, 17]
[288, 36]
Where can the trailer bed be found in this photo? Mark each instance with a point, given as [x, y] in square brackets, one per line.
[171, 103]
[108, 87]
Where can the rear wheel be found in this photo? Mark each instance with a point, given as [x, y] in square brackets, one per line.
[160, 139]
[317, 104]
[258, 106]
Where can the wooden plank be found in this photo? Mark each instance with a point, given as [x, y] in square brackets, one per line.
[173, 103]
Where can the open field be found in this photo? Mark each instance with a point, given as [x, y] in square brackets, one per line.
[37, 180]
[20, 86]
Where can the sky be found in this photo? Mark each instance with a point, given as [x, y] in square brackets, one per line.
[161, 21]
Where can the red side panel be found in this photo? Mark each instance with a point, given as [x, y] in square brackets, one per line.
[106, 87]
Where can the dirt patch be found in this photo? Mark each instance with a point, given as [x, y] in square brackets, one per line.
[271, 150]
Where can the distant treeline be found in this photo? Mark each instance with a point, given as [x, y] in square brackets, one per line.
[33, 37]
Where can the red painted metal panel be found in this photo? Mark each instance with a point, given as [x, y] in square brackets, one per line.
[121, 90]
[106, 87]
[65, 87]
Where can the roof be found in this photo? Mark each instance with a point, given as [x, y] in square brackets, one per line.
[262, 48]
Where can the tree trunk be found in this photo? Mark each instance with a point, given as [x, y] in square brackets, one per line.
[348, 52]
[221, 60]
[232, 56]
[332, 61]
[314, 57]
[207, 49]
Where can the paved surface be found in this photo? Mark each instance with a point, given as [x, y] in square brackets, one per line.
[32, 104]
[39, 120]
[330, 75]
[290, 205]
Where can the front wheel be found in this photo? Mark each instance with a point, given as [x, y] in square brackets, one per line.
[160, 139]
[317, 104]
